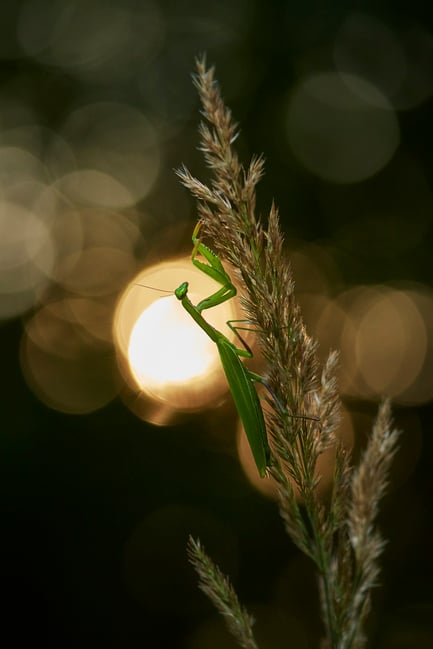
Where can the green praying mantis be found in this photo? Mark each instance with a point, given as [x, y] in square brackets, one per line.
[240, 379]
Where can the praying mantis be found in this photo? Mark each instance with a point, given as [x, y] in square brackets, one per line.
[240, 379]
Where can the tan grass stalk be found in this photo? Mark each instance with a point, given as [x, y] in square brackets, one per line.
[339, 537]
[221, 593]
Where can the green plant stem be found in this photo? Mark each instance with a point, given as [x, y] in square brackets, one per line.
[327, 605]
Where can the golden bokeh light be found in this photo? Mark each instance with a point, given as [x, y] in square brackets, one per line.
[385, 337]
[94, 187]
[18, 164]
[95, 271]
[386, 346]
[26, 258]
[118, 141]
[314, 268]
[64, 365]
[340, 135]
[94, 247]
[92, 42]
[94, 315]
[162, 351]
[326, 320]
[390, 342]
[170, 361]
[51, 155]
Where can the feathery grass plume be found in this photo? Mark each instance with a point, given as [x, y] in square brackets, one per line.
[368, 485]
[339, 537]
[219, 590]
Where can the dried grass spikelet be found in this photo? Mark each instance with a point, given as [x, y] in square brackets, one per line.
[226, 208]
[340, 537]
[221, 593]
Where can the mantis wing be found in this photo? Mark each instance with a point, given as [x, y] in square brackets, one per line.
[247, 403]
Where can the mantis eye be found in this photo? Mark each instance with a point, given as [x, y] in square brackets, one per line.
[181, 291]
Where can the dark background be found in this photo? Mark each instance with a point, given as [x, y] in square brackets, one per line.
[96, 507]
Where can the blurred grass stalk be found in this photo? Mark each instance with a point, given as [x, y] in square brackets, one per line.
[339, 536]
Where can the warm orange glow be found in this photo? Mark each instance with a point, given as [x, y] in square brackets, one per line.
[167, 355]
[385, 344]
[65, 365]
[166, 346]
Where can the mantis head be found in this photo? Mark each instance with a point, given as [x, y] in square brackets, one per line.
[181, 291]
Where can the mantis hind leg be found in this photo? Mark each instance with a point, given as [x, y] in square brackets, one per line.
[260, 379]
[247, 352]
